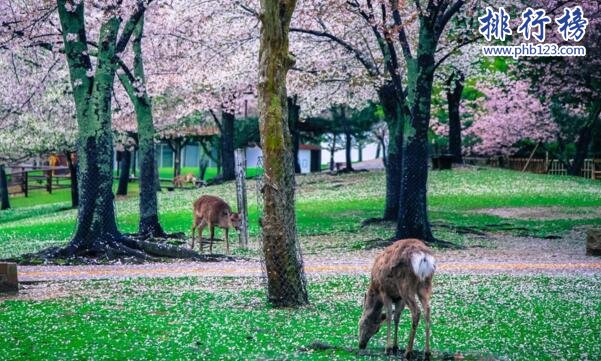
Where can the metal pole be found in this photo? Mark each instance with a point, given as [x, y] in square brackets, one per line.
[240, 155]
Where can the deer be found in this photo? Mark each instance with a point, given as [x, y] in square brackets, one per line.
[180, 180]
[401, 272]
[213, 212]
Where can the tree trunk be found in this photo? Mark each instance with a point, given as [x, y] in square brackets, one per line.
[413, 214]
[360, 151]
[585, 136]
[96, 224]
[332, 152]
[125, 166]
[4, 201]
[454, 90]
[293, 119]
[283, 260]
[149, 225]
[392, 157]
[176, 146]
[348, 148]
[73, 177]
[228, 161]
[378, 150]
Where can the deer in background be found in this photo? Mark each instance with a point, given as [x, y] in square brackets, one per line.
[213, 212]
[180, 180]
[403, 271]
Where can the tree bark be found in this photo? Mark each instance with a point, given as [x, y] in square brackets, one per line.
[176, 146]
[4, 200]
[149, 225]
[228, 161]
[454, 90]
[293, 119]
[413, 214]
[392, 157]
[73, 177]
[283, 260]
[332, 153]
[585, 136]
[96, 222]
[125, 166]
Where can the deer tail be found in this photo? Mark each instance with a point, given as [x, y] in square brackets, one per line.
[423, 265]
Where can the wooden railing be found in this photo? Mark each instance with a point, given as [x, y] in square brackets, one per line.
[25, 179]
[591, 168]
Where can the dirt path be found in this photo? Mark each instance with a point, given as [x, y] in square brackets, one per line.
[312, 267]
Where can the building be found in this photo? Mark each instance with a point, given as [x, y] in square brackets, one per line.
[309, 157]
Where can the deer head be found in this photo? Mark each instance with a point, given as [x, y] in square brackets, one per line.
[371, 319]
[235, 221]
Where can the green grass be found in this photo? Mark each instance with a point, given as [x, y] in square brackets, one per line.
[514, 318]
[336, 205]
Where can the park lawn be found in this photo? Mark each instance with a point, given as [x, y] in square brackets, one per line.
[478, 317]
[336, 205]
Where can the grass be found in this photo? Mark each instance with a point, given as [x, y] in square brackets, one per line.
[504, 317]
[334, 206]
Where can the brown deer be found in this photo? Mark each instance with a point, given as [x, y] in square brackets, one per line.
[180, 180]
[213, 212]
[404, 270]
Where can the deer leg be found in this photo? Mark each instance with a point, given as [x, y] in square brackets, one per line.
[201, 228]
[415, 313]
[212, 232]
[227, 241]
[424, 298]
[388, 307]
[398, 309]
[194, 225]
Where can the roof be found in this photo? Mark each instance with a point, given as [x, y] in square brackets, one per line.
[309, 147]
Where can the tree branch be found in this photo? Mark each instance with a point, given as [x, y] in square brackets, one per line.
[371, 68]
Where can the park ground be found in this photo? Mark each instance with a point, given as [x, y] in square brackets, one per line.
[521, 289]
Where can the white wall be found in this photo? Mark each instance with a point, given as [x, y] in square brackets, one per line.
[369, 152]
[304, 159]
[252, 156]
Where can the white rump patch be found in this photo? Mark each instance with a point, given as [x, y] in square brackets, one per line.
[423, 265]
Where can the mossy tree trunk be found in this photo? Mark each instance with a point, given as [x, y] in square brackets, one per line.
[4, 201]
[283, 261]
[454, 90]
[392, 157]
[413, 214]
[149, 225]
[96, 229]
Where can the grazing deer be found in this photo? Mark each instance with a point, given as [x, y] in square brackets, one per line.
[180, 180]
[404, 270]
[213, 212]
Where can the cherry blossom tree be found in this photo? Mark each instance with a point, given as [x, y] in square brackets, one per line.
[397, 46]
[508, 114]
[572, 83]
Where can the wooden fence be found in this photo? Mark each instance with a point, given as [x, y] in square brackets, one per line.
[591, 168]
[25, 179]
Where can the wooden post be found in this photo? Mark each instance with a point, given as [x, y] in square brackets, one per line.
[240, 155]
[49, 181]
[530, 158]
[8, 277]
[25, 183]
